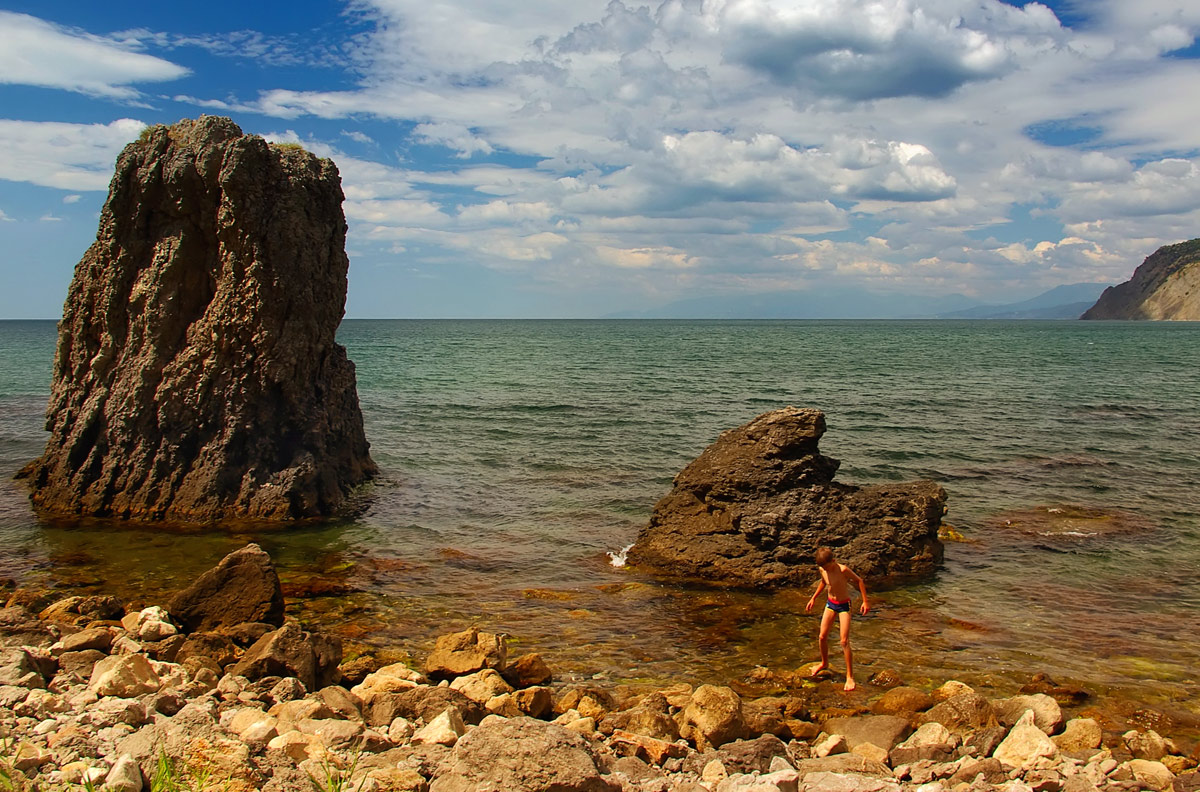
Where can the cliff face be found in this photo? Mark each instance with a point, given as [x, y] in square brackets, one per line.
[1165, 286]
[196, 376]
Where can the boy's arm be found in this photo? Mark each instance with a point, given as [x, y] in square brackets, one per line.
[862, 589]
[813, 599]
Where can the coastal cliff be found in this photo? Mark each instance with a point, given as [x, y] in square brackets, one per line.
[1165, 286]
[196, 375]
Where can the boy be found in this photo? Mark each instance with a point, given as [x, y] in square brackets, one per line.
[837, 578]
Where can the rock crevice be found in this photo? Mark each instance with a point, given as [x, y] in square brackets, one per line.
[197, 376]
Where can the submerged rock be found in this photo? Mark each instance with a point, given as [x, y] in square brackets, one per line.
[243, 587]
[753, 508]
[197, 376]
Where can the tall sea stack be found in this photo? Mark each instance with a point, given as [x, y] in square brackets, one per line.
[197, 377]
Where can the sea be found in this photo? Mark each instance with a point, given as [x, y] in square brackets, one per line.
[520, 459]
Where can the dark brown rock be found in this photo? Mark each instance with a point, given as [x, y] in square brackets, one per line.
[650, 718]
[528, 670]
[424, 701]
[741, 756]
[963, 713]
[243, 587]
[885, 731]
[1165, 286]
[902, 701]
[754, 506]
[197, 376]
[289, 651]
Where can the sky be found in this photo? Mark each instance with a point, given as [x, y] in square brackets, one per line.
[541, 158]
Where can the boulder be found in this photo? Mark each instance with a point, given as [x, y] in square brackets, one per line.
[445, 729]
[125, 676]
[1148, 745]
[932, 742]
[466, 652]
[884, 731]
[423, 702]
[1025, 744]
[482, 685]
[1047, 715]
[1151, 774]
[962, 713]
[528, 670]
[243, 587]
[752, 509]
[1080, 734]
[740, 756]
[19, 668]
[847, 782]
[712, 718]
[521, 754]
[902, 701]
[311, 657]
[197, 375]
[650, 718]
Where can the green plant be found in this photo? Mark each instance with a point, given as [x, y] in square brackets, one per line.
[337, 779]
[170, 776]
[288, 146]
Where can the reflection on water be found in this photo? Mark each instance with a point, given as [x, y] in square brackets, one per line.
[519, 457]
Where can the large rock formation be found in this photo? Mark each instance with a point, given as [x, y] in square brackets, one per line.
[753, 508]
[196, 376]
[1165, 286]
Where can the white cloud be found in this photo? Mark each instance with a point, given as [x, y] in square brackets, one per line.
[66, 156]
[4, 218]
[73, 198]
[35, 52]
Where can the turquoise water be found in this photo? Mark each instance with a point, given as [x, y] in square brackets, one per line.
[518, 454]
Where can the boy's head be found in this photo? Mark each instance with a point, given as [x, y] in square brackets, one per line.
[824, 556]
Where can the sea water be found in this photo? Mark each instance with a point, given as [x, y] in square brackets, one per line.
[521, 458]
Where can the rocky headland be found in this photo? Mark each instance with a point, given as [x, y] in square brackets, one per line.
[189, 697]
[1165, 286]
[197, 376]
[753, 508]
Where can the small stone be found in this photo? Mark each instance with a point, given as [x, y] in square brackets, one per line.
[400, 730]
[1025, 744]
[125, 776]
[28, 756]
[288, 689]
[482, 685]
[445, 729]
[833, 744]
[293, 743]
[950, 689]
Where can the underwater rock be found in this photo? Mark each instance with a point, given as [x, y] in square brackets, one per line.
[197, 376]
[753, 508]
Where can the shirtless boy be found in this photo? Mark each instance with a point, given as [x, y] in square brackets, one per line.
[837, 579]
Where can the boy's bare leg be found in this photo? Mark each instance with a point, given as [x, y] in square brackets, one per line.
[845, 635]
[823, 640]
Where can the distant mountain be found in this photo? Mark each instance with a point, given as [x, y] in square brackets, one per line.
[1165, 286]
[1061, 302]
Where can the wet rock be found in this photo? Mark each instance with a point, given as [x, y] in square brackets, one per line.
[962, 713]
[1047, 715]
[1080, 734]
[754, 506]
[902, 701]
[243, 587]
[528, 670]
[464, 653]
[521, 753]
[311, 657]
[197, 376]
[712, 718]
[1154, 775]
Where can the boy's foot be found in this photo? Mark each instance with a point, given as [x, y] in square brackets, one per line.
[818, 668]
[849, 685]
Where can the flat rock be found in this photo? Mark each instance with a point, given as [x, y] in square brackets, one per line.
[466, 652]
[884, 731]
[521, 754]
[753, 507]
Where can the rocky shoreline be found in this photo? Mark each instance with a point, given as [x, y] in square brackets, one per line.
[92, 696]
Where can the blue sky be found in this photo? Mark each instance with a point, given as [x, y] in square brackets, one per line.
[545, 159]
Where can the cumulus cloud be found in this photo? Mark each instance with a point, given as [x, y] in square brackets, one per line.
[66, 156]
[36, 52]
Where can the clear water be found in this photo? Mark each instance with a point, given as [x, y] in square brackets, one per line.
[518, 454]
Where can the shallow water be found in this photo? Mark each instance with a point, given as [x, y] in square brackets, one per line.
[517, 455]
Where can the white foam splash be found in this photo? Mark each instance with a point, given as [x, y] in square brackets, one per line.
[617, 559]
